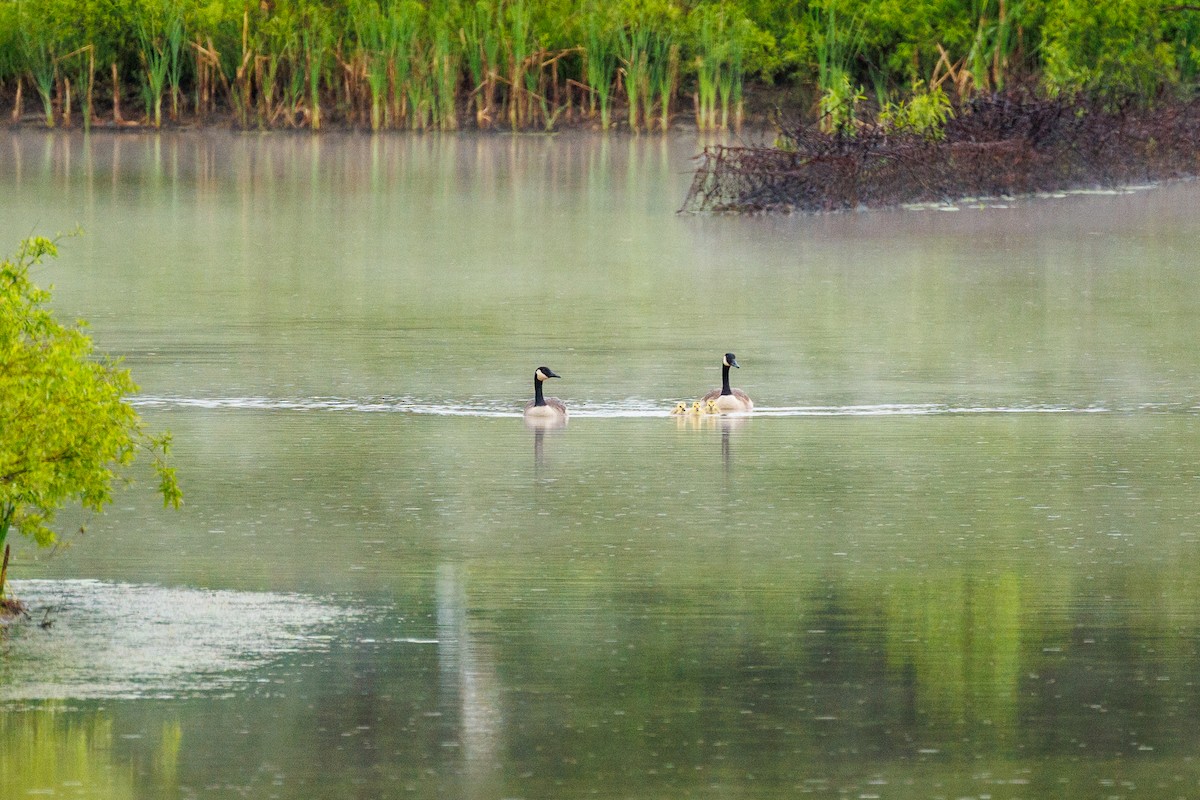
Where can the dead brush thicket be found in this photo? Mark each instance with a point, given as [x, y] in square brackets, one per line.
[994, 145]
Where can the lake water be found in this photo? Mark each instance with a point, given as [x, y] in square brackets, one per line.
[951, 553]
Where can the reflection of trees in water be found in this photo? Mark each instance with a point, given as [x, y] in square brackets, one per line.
[945, 665]
[641, 688]
[51, 750]
[469, 690]
[954, 645]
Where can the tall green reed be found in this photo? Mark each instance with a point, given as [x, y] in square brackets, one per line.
[158, 41]
[267, 80]
[666, 78]
[994, 44]
[316, 42]
[732, 77]
[85, 76]
[374, 53]
[708, 23]
[601, 45]
[291, 83]
[34, 55]
[483, 42]
[175, 37]
[635, 56]
[650, 55]
[724, 40]
[160, 33]
[406, 20]
[445, 68]
[416, 72]
[837, 44]
[519, 20]
[236, 71]
[43, 67]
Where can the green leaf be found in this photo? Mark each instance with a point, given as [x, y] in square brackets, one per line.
[69, 429]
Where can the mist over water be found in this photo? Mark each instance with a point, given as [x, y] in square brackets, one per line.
[950, 553]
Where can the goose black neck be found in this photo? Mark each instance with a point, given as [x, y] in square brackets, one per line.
[538, 400]
[725, 380]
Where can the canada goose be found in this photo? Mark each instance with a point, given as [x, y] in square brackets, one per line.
[544, 409]
[680, 408]
[711, 407]
[695, 409]
[726, 399]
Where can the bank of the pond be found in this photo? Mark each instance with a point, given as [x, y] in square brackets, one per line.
[990, 146]
[10, 610]
[758, 106]
[542, 64]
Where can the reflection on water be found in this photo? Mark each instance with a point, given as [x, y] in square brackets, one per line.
[726, 424]
[46, 752]
[539, 430]
[950, 554]
[626, 410]
[100, 640]
[50, 749]
[470, 688]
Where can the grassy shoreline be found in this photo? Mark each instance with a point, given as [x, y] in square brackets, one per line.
[636, 65]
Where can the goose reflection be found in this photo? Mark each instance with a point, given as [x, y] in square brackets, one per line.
[708, 417]
[539, 428]
[727, 425]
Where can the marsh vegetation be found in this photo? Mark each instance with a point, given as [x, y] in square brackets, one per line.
[640, 65]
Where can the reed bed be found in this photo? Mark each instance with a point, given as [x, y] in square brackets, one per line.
[417, 65]
[439, 65]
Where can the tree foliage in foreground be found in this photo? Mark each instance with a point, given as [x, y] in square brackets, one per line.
[66, 429]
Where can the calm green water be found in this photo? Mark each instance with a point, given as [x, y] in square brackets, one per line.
[950, 555]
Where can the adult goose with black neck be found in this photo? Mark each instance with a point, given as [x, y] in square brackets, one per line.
[542, 409]
[726, 399]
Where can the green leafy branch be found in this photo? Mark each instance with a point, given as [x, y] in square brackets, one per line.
[68, 428]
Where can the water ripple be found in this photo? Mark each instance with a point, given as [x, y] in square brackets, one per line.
[625, 409]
